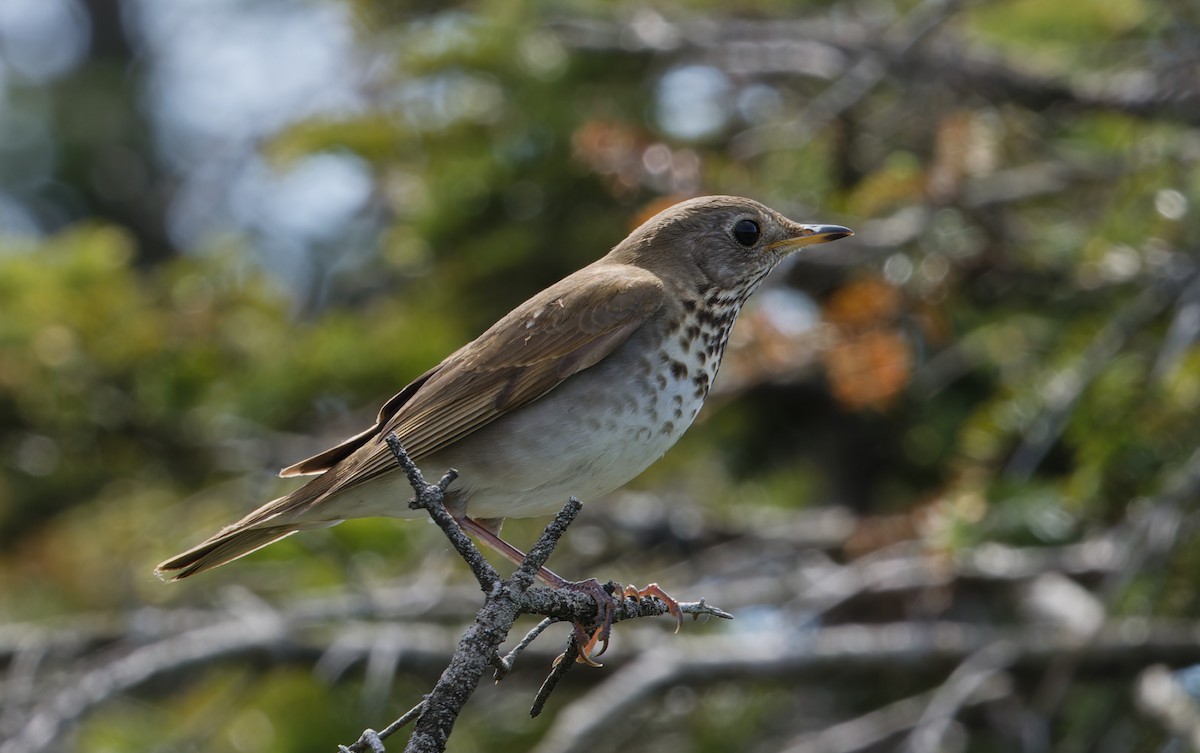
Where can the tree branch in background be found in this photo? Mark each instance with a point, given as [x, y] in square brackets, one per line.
[829, 49]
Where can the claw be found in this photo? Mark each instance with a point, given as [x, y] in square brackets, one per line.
[606, 611]
[656, 591]
[585, 652]
[585, 645]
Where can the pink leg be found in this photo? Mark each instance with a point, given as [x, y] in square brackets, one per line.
[510, 552]
[604, 602]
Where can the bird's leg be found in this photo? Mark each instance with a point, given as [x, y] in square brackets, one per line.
[487, 532]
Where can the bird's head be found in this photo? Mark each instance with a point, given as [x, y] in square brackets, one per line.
[732, 241]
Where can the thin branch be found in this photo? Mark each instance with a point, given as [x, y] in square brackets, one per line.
[853, 651]
[1148, 537]
[876, 726]
[47, 720]
[858, 81]
[825, 49]
[411, 604]
[1062, 393]
[540, 552]
[372, 741]
[964, 682]
[504, 664]
[505, 600]
[430, 497]
[562, 665]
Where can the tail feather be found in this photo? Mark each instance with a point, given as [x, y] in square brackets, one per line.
[275, 520]
[222, 548]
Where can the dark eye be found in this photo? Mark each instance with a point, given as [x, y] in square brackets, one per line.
[746, 232]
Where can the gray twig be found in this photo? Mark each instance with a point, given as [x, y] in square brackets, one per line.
[562, 665]
[963, 683]
[1062, 393]
[505, 600]
[504, 664]
[370, 740]
[878, 725]
[431, 497]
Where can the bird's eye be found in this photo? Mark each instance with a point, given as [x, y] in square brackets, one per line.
[746, 232]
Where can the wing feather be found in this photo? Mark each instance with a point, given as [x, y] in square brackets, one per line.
[567, 328]
[326, 459]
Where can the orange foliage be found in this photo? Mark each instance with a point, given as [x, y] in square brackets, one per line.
[613, 150]
[870, 360]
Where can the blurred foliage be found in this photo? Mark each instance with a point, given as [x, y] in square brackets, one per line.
[1020, 365]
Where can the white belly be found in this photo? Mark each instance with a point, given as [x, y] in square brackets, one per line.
[605, 437]
[603, 427]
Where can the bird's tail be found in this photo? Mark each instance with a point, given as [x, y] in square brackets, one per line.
[247, 535]
[222, 548]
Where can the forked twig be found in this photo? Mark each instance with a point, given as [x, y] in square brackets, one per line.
[505, 601]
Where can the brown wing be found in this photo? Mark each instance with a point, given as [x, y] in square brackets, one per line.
[566, 328]
[561, 331]
[326, 459]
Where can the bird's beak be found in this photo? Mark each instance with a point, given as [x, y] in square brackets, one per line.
[808, 235]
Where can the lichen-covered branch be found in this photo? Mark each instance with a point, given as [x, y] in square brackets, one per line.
[506, 600]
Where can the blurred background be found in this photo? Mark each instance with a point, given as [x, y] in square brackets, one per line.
[948, 478]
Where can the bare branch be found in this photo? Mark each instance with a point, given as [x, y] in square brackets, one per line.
[46, 721]
[505, 600]
[372, 741]
[878, 725]
[849, 650]
[1062, 393]
[964, 682]
[824, 49]
[504, 664]
[430, 498]
[562, 665]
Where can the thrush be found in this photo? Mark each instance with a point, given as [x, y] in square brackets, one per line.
[573, 393]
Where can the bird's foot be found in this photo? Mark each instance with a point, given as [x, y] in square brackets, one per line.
[606, 611]
[656, 591]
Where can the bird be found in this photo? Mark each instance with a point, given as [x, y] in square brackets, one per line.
[573, 393]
